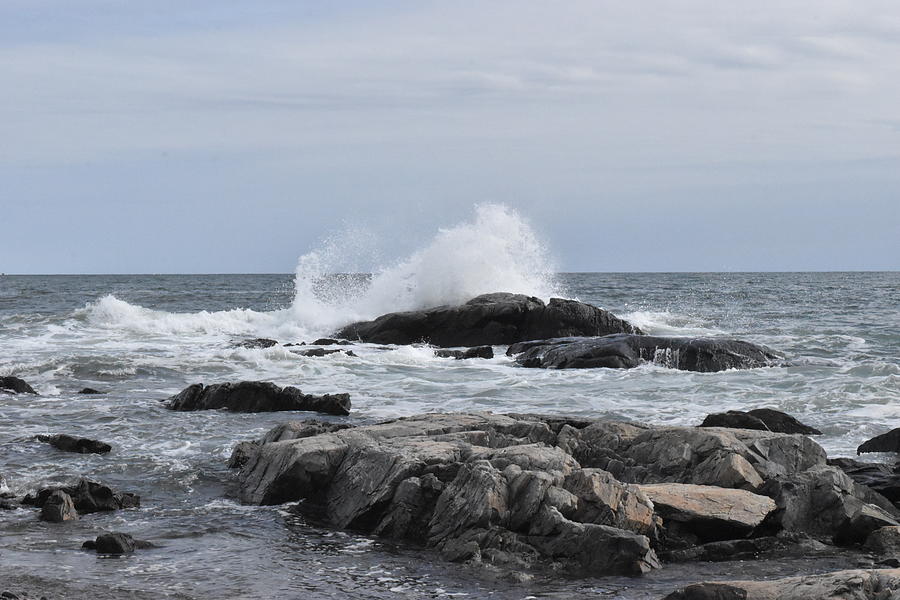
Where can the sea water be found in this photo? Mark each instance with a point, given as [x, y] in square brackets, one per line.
[142, 338]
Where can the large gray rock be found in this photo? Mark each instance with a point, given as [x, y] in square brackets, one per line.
[256, 396]
[626, 351]
[881, 584]
[477, 487]
[489, 319]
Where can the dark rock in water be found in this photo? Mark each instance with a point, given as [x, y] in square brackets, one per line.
[624, 351]
[765, 419]
[781, 422]
[321, 352]
[68, 443]
[115, 543]
[886, 442]
[476, 352]
[7, 505]
[256, 343]
[88, 390]
[14, 385]
[256, 396]
[292, 430]
[88, 496]
[876, 584]
[330, 342]
[58, 507]
[489, 319]
[734, 419]
[884, 479]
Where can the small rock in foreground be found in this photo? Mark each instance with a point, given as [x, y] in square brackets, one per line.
[69, 443]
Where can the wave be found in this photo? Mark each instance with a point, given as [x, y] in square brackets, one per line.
[496, 251]
[672, 324]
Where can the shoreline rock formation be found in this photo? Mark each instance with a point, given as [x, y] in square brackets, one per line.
[489, 320]
[586, 496]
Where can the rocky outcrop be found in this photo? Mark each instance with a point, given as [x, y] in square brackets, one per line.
[708, 513]
[256, 396]
[489, 319]
[626, 351]
[846, 585]
[476, 352]
[14, 385]
[115, 543]
[68, 443]
[886, 442]
[292, 430]
[527, 490]
[87, 496]
[765, 419]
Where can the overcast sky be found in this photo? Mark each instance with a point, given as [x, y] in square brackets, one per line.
[217, 136]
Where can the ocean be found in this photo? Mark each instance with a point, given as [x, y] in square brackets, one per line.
[142, 338]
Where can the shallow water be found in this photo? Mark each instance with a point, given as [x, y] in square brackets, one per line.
[142, 338]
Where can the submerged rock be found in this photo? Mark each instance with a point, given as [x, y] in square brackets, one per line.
[14, 385]
[489, 319]
[626, 351]
[476, 352]
[765, 419]
[256, 396]
[322, 352]
[87, 496]
[878, 584]
[257, 343]
[89, 391]
[68, 443]
[115, 543]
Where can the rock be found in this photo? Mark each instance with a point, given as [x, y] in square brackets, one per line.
[88, 390]
[256, 343]
[479, 488]
[14, 385]
[864, 520]
[734, 419]
[886, 442]
[489, 319]
[476, 352]
[7, 505]
[330, 342]
[68, 443]
[625, 351]
[823, 502]
[710, 513]
[292, 430]
[781, 422]
[115, 543]
[58, 507]
[747, 549]
[88, 496]
[876, 584]
[242, 453]
[321, 352]
[884, 540]
[256, 396]
[884, 479]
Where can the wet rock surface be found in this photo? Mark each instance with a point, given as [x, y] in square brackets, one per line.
[80, 445]
[883, 478]
[579, 496]
[87, 496]
[490, 319]
[256, 343]
[115, 543]
[626, 351]
[886, 442]
[476, 352]
[14, 385]
[256, 396]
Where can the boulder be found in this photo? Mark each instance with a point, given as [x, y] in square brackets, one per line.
[882, 478]
[115, 543]
[330, 342]
[14, 385]
[734, 419]
[626, 351]
[476, 352]
[707, 512]
[489, 319]
[58, 507]
[291, 430]
[322, 352]
[68, 443]
[880, 584]
[89, 391]
[781, 422]
[256, 396]
[886, 442]
[479, 488]
[87, 496]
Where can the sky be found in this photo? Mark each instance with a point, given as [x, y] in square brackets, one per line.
[664, 135]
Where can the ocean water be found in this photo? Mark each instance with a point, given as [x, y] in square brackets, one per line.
[142, 338]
